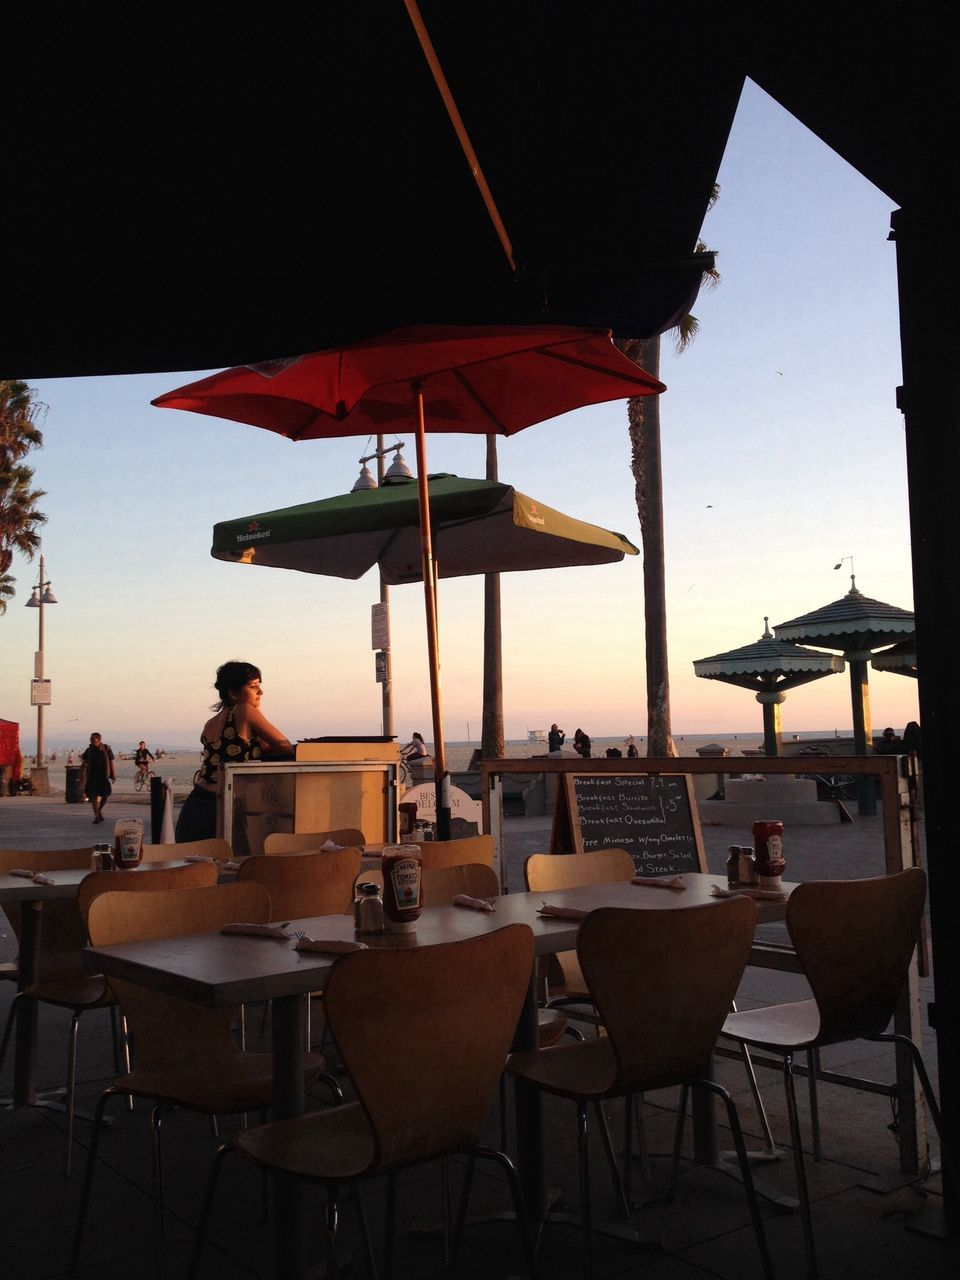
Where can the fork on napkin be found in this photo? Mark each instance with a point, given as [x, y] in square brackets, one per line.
[476, 904]
[768, 895]
[22, 871]
[549, 912]
[329, 946]
[661, 882]
[258, 930]
[197, 857]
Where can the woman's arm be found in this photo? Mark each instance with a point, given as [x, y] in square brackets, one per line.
[258, 726]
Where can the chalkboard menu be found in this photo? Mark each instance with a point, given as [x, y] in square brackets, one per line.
[651, 815]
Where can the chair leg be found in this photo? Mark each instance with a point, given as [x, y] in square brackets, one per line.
[115, 1033]
[206, 1209]
[746, 1174]
[445, 1208]
[519, 1207]
[813, 1066]
[612, 1160]
[156, 1119]
[331, 1222]
[946, 1155]
[586, 1217]
[8, 1029]
[71, 1099]
[757, 1097]
[88, 1178]
[678, 1142]
[125, 1042]
[371, 1264]
[502, 1104]
[803, 1194]
[462, 1212]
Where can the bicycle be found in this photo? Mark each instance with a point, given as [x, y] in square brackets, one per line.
[142, 778]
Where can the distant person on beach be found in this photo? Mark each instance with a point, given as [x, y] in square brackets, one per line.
[555, 738]
[416, 748]
[98, 773]
[889, 744]
[582, 744]
[142, 757]
[614, 753]
[237, 731]
[911, 738]
[71, 759]
[632, 752]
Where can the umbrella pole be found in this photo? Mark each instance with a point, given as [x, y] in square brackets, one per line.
[441, 778]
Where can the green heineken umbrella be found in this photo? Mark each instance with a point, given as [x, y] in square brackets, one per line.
[479, 526]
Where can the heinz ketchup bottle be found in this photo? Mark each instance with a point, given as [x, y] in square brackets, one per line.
[402, 894]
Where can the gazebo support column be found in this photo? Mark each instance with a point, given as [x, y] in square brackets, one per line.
[858, 664]
[930, 401]
[772, 735]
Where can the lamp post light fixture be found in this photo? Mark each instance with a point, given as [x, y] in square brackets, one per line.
[398, 470]
[40, 687]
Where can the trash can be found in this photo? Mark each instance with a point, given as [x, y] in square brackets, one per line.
[74, 792]
[703, 787]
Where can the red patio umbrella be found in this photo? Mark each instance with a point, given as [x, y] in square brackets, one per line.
[478, 379]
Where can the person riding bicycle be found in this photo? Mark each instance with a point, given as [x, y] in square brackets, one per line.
[141, 758]
[416, 749]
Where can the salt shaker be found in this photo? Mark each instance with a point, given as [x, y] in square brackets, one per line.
[748, 865]
[370, 909]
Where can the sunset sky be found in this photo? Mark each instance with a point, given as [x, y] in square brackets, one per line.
[783, 453]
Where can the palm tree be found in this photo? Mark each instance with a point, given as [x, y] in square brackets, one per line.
[643, 418]
[19, 515]
[491, 728]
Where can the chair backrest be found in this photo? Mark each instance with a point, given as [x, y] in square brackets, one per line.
[440, 884]
[304, 841]
[194, 875]
[305, 884]
[422, 1103]
[663, 982]
[854, 939]
[174, 1035]
[212, 848]
[543, 872]
[452, 853]
[45, 859]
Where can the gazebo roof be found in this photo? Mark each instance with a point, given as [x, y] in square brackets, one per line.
[901, 659]
[768, 663]
[854, 622]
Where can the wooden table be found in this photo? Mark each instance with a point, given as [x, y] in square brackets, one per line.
[219, 971]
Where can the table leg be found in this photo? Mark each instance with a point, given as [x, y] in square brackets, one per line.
[529, 1114]
[28, 966]
[289, 1099]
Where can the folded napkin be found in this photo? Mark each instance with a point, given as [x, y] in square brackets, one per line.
[747, 891]
[197, 857]
[231, 865]
[661, 882]
[549, 912]
[330, 946]
[40, 878]
[476, 904]
[257, 930]
[328, 846]
[22, 871]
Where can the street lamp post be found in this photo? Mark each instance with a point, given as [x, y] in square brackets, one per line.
[42, 596]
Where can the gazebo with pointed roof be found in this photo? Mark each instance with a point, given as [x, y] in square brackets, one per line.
[857, 626]
[769, 667]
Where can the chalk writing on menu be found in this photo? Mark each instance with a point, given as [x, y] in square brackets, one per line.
[649, 815]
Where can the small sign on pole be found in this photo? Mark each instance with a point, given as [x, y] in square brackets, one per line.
[381, 660]
[380, 626]
[39, 693]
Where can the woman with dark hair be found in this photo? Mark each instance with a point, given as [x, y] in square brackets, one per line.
[237, 731]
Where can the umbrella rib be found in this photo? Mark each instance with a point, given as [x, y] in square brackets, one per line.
[553, 354]
[500, 427]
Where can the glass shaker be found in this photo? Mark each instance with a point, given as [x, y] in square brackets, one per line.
[370, 909]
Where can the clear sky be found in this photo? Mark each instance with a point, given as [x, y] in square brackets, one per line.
[783, 451]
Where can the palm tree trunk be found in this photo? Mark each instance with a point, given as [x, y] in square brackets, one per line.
[643, 416]
[491, 733]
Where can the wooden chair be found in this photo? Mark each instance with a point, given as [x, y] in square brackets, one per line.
[214, 848]
[854, 939]
[546, 872]
[420, 996]
[305, 884]
[304, 841]
[687, 963]
[441, 884]
[185, 1053]
[64, 980]
[451, 853]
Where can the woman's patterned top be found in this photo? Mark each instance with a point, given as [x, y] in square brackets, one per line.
[229, 748]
